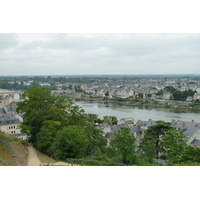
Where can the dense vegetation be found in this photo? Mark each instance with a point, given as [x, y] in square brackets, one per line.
[177, 95]
[58, 127]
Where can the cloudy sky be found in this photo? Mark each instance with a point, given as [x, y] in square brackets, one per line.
[64, 54]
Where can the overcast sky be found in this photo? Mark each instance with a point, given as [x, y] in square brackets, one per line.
[66, 54]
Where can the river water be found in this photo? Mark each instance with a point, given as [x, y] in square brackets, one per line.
[138, 112]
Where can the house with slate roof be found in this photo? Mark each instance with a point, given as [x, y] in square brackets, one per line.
[9, 124]
[191, 130]
[128, 121]
[11, 108]
[10, 120]
[143, 125]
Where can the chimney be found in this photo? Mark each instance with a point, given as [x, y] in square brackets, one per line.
[196, 125]
[192, 120]
[195, 145]
[183, 125]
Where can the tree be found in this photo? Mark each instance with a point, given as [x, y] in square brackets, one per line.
[110, 120]
[190, 155]
[162, 139]
[169, 89]
[92, 117]
[57, 126]
[40, 105]
[140, 95]
[123, 143]
[71, 142]
[174, 145]
[107, 94]
[46, 135]
[96, 140]
[155, 134]
[147, 150]
[159, 93]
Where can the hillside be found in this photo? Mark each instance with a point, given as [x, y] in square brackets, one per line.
[6, 157]
[25, 153]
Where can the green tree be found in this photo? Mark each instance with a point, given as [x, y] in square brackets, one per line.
[107, 94]
[71, 142]
[110, 120]
[46, 135]
[169, 89]
[123, 143]
[140, 95]
[159, 93]
[92, 117]
[155, 135]
[97, 142]
[174, 144]
[148, 150]
[190, 155]
[40, 105]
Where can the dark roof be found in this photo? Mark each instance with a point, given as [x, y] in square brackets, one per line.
[135, 129]
[11, 107]
[110, 135]
[20, 134]
[129, 122]
[188, 128]
[195, 141]
[115, 128]
[2, 110]
[8, 119]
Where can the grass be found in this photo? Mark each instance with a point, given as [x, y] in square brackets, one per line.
[19, 146]
[6, 157]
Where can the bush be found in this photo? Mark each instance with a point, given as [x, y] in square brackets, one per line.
[86, 162]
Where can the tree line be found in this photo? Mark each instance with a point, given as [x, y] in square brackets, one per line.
[177, 95]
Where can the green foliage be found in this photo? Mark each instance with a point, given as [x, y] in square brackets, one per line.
[190, 155]
[94, 162]
[159, 93]
[175, 145]
[140, 95]
[70, 142]
[147, 150]
[163, 140]
[107, 94]
[169, 89]
[46, 135]
[40, 106]
[123, 143]
[92, 117]
[58, 127]
[182, 95]
[153, 139]
[95, 140]
[110, 120]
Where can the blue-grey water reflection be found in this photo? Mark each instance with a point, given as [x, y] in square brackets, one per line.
[138, 112]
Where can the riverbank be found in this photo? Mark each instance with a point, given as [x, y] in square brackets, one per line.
[158, 103]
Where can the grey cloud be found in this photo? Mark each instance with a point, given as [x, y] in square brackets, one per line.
[8, 40]
[104, 54]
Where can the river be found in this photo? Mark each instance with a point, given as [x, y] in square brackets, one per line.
[138, 112]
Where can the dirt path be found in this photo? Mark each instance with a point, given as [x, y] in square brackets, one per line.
[33, 160]
[32, 157]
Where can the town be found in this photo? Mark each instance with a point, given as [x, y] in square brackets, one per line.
[158, 89]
